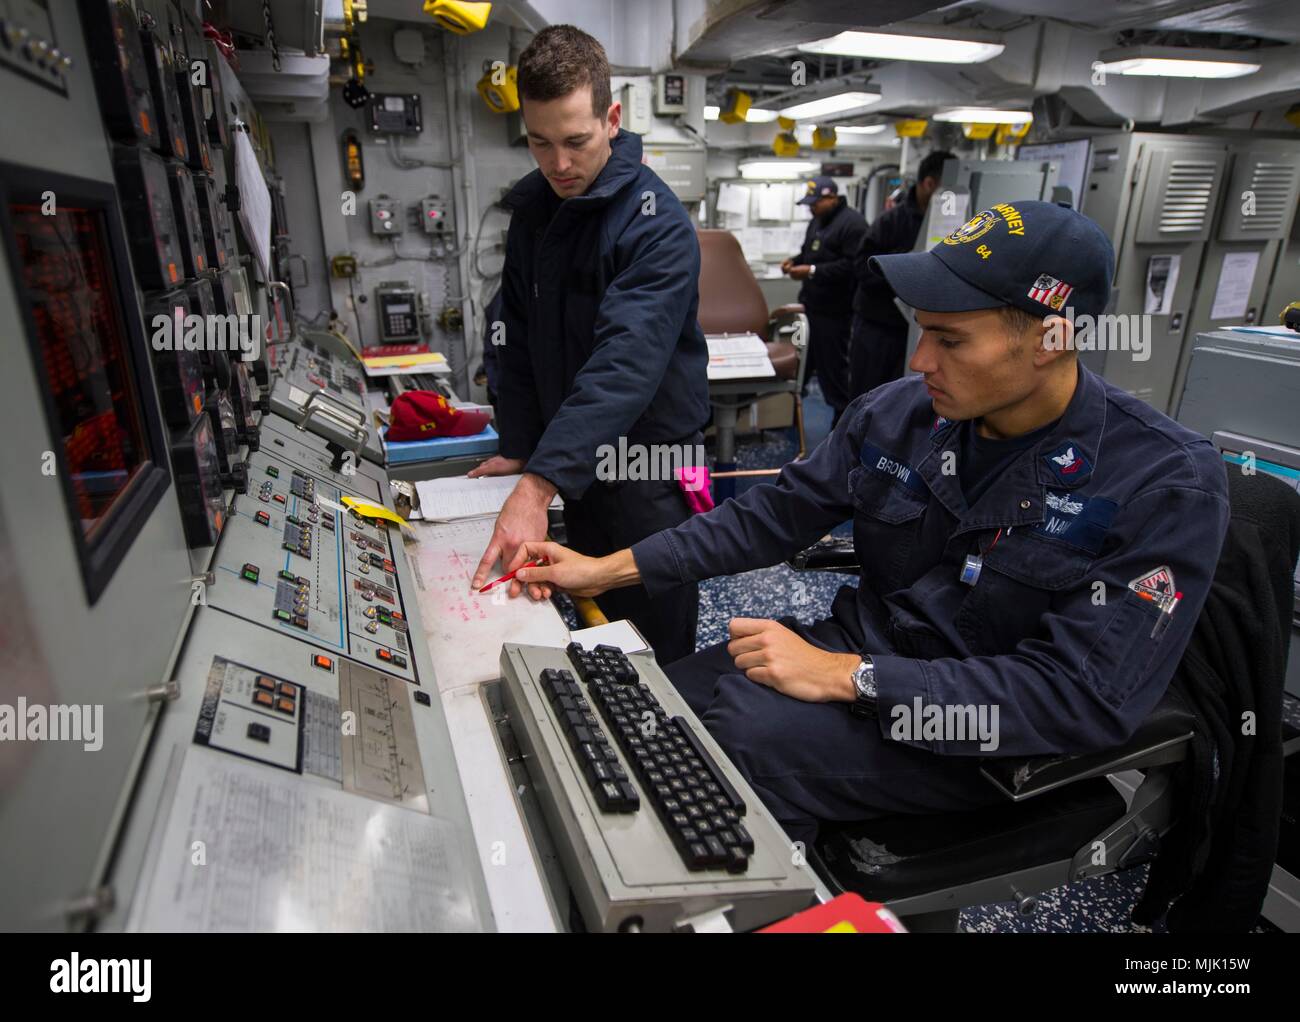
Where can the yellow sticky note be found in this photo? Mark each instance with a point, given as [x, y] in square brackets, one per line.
[369, 510]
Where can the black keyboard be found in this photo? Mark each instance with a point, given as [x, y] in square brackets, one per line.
[605, 775]
[697, 804]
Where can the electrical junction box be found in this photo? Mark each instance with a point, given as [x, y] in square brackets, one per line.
[385, 217]
[670, 95]
[636, 108]
[395, 113]
[433, 215]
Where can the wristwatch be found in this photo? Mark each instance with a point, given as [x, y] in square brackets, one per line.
[864, 681]
[812, 270]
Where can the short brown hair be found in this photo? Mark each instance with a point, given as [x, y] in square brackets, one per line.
[1017, 320]
[559, 60]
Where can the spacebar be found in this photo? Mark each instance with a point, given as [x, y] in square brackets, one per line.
[728, 792]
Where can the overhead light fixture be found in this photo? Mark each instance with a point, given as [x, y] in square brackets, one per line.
[860, 129]
[984, 115]
[711, 112]
[777, 170]
[759, 116]
[828, 106]
[1176, 62]
[885, 46]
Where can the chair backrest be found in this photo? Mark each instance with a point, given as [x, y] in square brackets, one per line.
[730, 299]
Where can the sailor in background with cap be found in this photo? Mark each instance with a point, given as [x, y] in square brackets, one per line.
[878, 335]
[825, 267]
[1035, 547]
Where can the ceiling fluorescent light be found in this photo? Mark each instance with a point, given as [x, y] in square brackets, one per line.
[828, 106]
[885, 46]
[755, 115]
[860, 129]
[783, 170]
[711, 113]
[1176, 62]
[984, 115]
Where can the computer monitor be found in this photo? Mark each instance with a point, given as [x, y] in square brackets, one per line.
[1071, 157]
[82, 321]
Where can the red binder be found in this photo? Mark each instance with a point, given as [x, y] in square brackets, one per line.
[848, 913]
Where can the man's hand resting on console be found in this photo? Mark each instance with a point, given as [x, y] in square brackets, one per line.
[497, 466]
[772, 655]
[522, 519]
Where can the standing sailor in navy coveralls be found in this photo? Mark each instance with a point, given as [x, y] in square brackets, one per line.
[1035, 546]
[602, 350]
[825, 267]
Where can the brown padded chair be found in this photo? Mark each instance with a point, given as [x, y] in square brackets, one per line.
[732, 303]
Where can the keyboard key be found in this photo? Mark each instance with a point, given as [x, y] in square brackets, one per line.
[743, 838]
[737, 860]
[717, 853]
[728, 792]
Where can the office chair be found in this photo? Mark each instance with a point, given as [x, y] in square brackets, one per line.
[732, 303]
[1062, 820]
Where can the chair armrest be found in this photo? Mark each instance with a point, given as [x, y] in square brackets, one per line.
[829, 554]
[787, 342]
[1162, 739]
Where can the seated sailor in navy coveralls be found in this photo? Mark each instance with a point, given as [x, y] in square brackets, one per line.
[1035, 547]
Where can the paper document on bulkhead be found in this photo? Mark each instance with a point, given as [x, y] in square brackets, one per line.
[458, 497]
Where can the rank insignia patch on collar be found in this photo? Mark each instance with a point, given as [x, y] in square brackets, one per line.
[1068, 463]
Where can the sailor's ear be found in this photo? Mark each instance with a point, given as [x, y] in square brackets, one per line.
[1055, 339]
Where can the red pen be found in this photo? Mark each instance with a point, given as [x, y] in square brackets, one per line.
[507, 578]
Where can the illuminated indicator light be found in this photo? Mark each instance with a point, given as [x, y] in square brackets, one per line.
[171, 269]
[219, 518]
[264, 682]
[197, 401]
[285, 706]
[283, 615]
[144, 122]
[263, 698]
[323, 662]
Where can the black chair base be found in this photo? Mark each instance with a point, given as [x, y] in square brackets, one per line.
[896, 857]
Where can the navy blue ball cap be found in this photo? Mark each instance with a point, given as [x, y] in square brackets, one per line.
[1041, 257]
[818, 188]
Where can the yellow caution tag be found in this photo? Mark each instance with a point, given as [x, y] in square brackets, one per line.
[368, 510]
